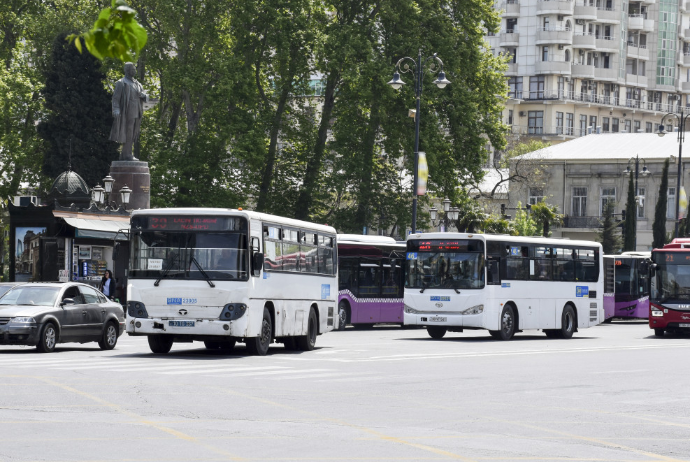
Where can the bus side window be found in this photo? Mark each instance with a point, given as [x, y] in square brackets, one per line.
[493, 273]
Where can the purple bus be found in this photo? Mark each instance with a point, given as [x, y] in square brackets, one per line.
[370, 280]
[626, 289]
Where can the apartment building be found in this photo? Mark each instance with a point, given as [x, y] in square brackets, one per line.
[588, 66]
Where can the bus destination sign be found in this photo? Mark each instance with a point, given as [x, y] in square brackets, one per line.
[674, 257]
[191, 223]
[438, 245]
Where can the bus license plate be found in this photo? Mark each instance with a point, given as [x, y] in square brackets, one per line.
[437, 319]
[181, 323]
[684, 325]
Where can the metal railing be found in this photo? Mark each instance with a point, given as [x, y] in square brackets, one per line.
[581, 222]
[606, 100]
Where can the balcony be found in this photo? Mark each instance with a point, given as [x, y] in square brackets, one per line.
[582, 71]
[601, 73]
[684, 59]
[636, 80]
[639, 52]
[584, 40]
[648, 25]
[585, 11]
[509, 39]
[558, 35]
[684, 7]
[608, 16]
[512, 69]
[684, 35]
[607, 44]
[635, 22]
[563, 7]
[649, 2]
[552, 67]
[582, 222]
[511, 9]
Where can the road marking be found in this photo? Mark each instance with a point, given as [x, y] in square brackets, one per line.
[251, 374]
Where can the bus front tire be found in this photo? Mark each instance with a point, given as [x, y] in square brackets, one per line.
[659, 332]
[436, 332]
[258, 346]
[308, 342]
[567, 323]
[160, 344]
[342, 315]
[507, 324]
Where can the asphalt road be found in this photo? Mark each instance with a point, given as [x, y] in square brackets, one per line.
[612, 393]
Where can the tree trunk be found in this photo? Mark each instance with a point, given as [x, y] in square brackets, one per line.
[267, 177]
[368, 153]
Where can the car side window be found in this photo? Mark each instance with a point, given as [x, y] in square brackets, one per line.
[90, 294]
[73, 293]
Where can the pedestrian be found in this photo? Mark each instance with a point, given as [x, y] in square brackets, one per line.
[108, 285]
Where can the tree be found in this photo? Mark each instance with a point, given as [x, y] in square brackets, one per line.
[516, 168]
[609, 235]
[545, 216]
[659, 226]
[494, 225]
[524, 224]
[79, 115]
[630, 228]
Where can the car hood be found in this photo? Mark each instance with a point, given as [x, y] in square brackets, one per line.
[22, 310]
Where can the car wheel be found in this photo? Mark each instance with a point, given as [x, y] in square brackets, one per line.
[258, 346]
[308, 342]
[109, 339]
[160, 344]
[48, 339]
[659, 332]
[567, 323]
[342, 315]
[436, 332]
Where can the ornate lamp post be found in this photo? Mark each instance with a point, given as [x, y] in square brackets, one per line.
[396, 82]
[681, 117]
[635, 161]
[450, 214]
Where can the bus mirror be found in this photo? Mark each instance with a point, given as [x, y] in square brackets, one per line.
[257, 262]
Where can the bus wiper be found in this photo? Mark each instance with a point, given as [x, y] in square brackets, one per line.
[424, 287]
[203, 273]
[166, 270]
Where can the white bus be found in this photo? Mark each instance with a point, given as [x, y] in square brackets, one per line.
[223, 276]
[505, 284]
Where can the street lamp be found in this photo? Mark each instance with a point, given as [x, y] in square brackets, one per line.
[450, 214]
[681, 116]
[124, 195]
[636, 162]
[397, 83]
[97, 193]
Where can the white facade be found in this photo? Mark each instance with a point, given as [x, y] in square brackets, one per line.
[586, 66]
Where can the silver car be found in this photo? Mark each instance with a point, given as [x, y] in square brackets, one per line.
[45, 314]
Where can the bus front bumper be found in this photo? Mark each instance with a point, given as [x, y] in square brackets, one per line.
[444, 319]
[184, 327]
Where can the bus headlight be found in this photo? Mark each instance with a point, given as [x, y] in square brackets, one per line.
[657, 313]
[136, 310]
[233, 311]
[476, 309]
[410, 310]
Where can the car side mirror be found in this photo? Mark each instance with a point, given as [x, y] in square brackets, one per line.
[257, 262]
[67, 301]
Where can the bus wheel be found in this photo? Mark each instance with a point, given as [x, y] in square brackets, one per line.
[258, 346]
[507, 324]
[160, 344]
[436, 332]
[290, 343]
[659, 332]
[308, 342]
[567, 323]
[227, 346]
[342, 315]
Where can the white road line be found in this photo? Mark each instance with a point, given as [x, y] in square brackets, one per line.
[251, 374]
[215, 371]
[312, 376]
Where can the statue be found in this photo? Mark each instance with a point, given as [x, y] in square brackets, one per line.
[128, 108]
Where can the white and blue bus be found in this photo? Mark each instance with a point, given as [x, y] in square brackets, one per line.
[223, 276]
[504, 284]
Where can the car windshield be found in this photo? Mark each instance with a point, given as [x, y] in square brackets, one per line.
[445, 265]
[4, 289]
[32, 296]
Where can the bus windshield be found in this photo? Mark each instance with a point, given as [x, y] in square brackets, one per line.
[441, 264]
[672, 278]
[189, 255]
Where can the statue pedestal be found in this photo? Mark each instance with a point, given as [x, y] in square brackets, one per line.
[135, 175]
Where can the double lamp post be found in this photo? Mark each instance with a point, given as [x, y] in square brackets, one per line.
[102, 196]
[681, 117]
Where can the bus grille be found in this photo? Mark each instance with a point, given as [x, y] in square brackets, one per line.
[593, 312]
[4, 321]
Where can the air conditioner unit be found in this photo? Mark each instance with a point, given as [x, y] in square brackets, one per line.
[522, 113]
[580, 22]
[560, 47]
[560, 17]
[582, 52]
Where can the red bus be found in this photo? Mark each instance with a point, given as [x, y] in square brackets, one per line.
[669, 310]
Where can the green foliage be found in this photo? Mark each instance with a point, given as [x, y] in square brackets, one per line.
[116, 34]
[524, 224]
[609, 234]
[659, 225]
[496, 225]
[630, 227]
[545, 216]
[78, 113]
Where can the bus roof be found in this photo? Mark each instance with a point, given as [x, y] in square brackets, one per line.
[505, 237]
[677, 244]
[249, 214]
[365, 239]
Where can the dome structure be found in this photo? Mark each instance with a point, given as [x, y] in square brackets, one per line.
[70, 188]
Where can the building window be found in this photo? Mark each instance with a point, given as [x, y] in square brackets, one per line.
[583, 125]
[579, 202]
[536, 195]
[510, 117]
[614, 125]
[559, 123]
[638, 126]
[593, 123]
[535, 122]
[608, 196]
[649, 128]
[640, 202]
[515, 87]
[671, 204]
[605, 123]
[628, 127]
[569, 123]
[544, 53]
[536, 87]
